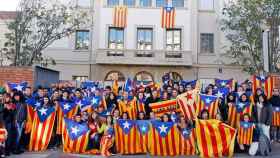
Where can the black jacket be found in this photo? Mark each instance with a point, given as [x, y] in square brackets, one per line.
[148, 102]
[275, 101]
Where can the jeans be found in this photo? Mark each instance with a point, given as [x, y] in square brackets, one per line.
[275, 133]
[19, 126]
[265, 129]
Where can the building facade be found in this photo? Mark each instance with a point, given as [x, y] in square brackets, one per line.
[143, 50]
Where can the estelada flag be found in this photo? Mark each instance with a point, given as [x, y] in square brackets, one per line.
[208, 102]
[120, 16]
[187, 105]
[42, 128]
[187, 142]
[115, 87]
[265, 82]
[75, 136]
[245, 133]
[236, 110]
[276, 116]
[214, 138]
[31, 105]
[230, 83]
[163, 139]
[168, 15]
[125, 134]
[129, 106]
[163, 107]
[65, 109]
[143, 127]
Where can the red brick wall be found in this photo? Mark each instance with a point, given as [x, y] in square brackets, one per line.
[16, 74]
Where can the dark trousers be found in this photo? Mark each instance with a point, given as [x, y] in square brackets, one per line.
[11, 141]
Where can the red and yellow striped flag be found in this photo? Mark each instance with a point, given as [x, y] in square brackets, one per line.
[62, 113]
[29, 119]
[163, 107]
[115, 87]
[245, 133]
[130, 107]
[265, 82]
[209, 103]
[79, 143]
[276, 116]
[187, 142]
[187, 105]
[143, 127]
[163, 139]
[125, 134]
[236, 111]
[42, 129]
[214, 138]
[168, 16]
[120, 16]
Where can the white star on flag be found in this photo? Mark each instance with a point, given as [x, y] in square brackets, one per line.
[94, 101]
[43, 111]
[241, 105]
[246, 125]
[143, 128]
[262, 77]
[66, 106]
[223, 83]
[37, 104]
[185, 132]
[79, 103]
[75, 130]
[162, 129]
[93, 89]
[220, 94]
[277, 109]
[208, 100]
[126, 124]
[19, 87]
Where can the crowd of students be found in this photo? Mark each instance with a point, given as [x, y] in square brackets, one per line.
[132, 104]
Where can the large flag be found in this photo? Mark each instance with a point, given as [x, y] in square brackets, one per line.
[120, 16]
[42, 129]
[245, 133]
[276, 117]
[31, 105]
[75, 136]
[128, 86]
[163, 107]
[163, 139]
[208, 102]
[187, 105]
[107, 142]
[65, 109]
[125, 133]
[231, 83]
[214, 138]
[19, 87]
[265, 82]
[222, 92]
[130, 107]
[187, 142]
[237, 110]
[143, 127]
[168, 16]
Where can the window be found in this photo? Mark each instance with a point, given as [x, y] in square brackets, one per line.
[114, 75]
[173, 39]
[84, 3]
[206, 43]
[112, 2]
[130, 3]
[206, 4]
[145, 3]
[161, 3]
[144, 77]
[178, 3]
[80, 78]
[116, 38]
[144, 38]
[82, 40]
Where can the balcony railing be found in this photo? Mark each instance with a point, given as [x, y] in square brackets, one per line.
[143, 57]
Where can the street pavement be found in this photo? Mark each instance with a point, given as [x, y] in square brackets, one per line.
[59, 154]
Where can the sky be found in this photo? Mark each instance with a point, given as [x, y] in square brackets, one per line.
[8, 5]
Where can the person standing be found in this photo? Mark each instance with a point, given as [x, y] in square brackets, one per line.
[275, 102]
[262, 114]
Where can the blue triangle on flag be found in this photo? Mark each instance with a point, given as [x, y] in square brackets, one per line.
[95, 101]
[126, 125]
[262, 78]
[67, 106]
[246, 125]
[208, 99]
[186, 133]
[44, 113]
[143, 126]
[19, 87]
[222, 92]
[74, 129]
[162, 127]
[240, 106]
